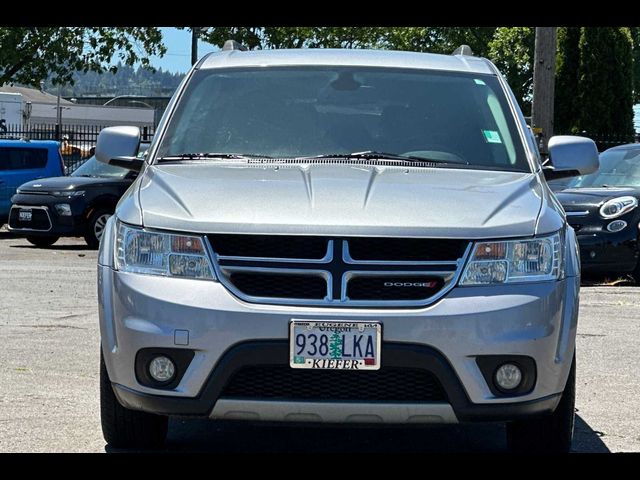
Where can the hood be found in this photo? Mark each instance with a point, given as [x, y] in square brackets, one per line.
[574, 198]
[340, 200]
[63, 183]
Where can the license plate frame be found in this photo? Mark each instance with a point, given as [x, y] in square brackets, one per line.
[348, 331]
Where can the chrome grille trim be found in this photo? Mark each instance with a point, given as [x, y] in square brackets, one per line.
[326, 259]
[346, 257]
[449, 277]
[18, 229]
[227, 271]
[337, 259]
[577, 213]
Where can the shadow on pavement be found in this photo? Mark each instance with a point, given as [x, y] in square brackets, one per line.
[586, 439]
[195, 435]
[189, 435]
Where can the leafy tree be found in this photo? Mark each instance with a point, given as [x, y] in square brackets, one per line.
[635, 36]
[439, 39]
[567, 63]
[295, 37]
[512, 50]
[432, 39]
[125, 81]
[29, 55]
[605, 81]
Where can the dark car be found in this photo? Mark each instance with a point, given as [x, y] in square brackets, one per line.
[77, 205]
[603, 210]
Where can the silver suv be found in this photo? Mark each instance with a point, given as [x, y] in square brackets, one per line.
[343, 236]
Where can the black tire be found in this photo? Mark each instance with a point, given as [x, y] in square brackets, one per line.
[124, 428]
[636, 273]
[96, 224]
[549, 434]
[42, 242]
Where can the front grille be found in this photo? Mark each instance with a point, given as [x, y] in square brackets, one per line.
[393, 288]
[406, 249]
[267, 246]
[33, 192]
[337, 271]
[39, 219]
[389, 384]
[274, 285]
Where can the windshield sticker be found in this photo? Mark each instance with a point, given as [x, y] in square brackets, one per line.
[491, 136]
[478, 81]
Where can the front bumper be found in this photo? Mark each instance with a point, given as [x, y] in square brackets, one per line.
[605, 252]
[536, 320]
[58, 225]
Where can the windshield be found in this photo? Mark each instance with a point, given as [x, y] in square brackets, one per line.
[94, 168]
[618, 168]
[292, 112]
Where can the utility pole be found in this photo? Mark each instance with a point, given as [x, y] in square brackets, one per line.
[544, 75]
[194, 44]
[58, 114]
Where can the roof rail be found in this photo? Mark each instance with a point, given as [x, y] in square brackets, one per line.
[463, 50]
[233, 45]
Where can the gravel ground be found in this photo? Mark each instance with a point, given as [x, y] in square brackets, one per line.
[49, 373]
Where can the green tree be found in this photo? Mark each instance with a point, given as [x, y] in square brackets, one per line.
[605, 81]
[566, 106]
[512, 50]
[635, 36]
[29, 55]
[422, 39]
[296, 37]
[439, 39]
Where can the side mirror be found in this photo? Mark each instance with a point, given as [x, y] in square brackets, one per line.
[118, 146]
[571, 157]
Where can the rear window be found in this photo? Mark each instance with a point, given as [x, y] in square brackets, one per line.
[22, 158]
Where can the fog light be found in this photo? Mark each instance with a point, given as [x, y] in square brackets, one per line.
[63, 209]
[162, 369]
[508, 376]
[616, 226]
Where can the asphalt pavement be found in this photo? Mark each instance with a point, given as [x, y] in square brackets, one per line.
[49, 354]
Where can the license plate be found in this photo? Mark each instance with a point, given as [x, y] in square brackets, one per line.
[24, 215]
[335, 345]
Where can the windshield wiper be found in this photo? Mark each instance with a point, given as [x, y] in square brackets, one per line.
[375, 155]
[205, 155]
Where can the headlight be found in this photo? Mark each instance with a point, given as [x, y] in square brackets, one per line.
[513, 261]
[618, 206]
[165, 254]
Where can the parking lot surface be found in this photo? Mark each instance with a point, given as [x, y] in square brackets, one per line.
[49, 354]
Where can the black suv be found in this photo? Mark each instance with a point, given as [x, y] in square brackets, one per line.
[77, 205]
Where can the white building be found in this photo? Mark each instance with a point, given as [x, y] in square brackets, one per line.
[41, 108]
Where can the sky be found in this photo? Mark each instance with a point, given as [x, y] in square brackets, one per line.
[178, 56]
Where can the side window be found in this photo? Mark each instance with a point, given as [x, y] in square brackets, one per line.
[22, 158]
